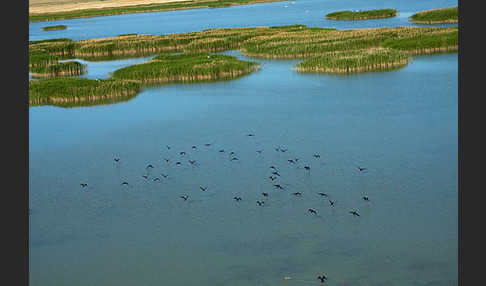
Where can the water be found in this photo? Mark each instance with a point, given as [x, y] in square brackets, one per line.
[401, 125]
[308, 12]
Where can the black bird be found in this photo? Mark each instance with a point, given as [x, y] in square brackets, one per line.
[156, 179]
[283, 150]
[182, 153]
[296, 159]
[250, 135]
[234, 159]
[194, 147]
[207, 144]
[276, 173]
[272, 178]
[221, 151]
[83, 185]
[116, 159]
[192, 162]
[273, 167]
[259, 151]
[145, 177]
[166, 160]
[354, 213]
[317, 156]
[168, 147]
[265, 194]
[260, 203]
[149, 166]
[278, 186]
[307, 168]
[322, 194]
[164, 175]
[331, 203]
[185, 197]
[366, 198]
[125, 183]
[277, 149]
[322, 278]
[312, 211]
[203, 189]
[232, 153]
[237, 198]
[178, 163]
[291, 161]
[361, 169]
[297, 193]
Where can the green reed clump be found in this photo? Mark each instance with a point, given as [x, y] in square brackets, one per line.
[426, 43]
[52, 28]
[436, 16]
[71, 68]
[190, 67]
[378, 59]
[362, 15]
[62, 91]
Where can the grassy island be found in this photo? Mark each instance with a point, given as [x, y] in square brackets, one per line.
[356, 61]
[322, 49]
[191, 67]
[436, 16]
[53, 28]
[79, 91]
[362, 15]
[194, 4]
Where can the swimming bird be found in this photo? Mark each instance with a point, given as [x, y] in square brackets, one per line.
[250, 135]
[366, 198]
[259, 151]
[278, 186]
[178, 163]
[207, 144]
[234, 159]
[273, 167]
[237, 199]
[83, 185]
[221, 151]
[361, 169]
[276, 173]
[354, 213]
[192, 162]
[116, 159]
[164, 175]
[166, 160]
[145, 177]
[322, 194]
[316, 156]
[307, 168]
[194, 147]
[168, 147]
[232, 153]
[182, 153]
[277, 149]
[156, 179]
[265, 194]
[125, 183]
[331, 203]
[203, 189]
[291, 161]
[149, 166]
[260, 203]
[297, 193]
[312, 211]
[283, 150]
[185, 197]
[272, 178]
[322, 278]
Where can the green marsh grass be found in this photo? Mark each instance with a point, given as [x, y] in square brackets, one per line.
[54, 28]
[362, 15]
[436, 16]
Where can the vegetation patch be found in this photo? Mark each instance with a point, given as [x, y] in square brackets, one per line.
[70, 68]
[436, 16]
[379, 59]
[192, 67]
[362, 15]
[79, 91]
[53, 28]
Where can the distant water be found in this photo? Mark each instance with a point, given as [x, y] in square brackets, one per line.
[401, 125]
[308, 12]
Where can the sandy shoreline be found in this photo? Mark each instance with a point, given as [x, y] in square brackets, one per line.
[55, 6]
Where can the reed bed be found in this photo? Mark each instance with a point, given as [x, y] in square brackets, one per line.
[71, 68]
[362, 15]
[191, 67]
[378, 59]
[436, 16]
[65, 91]
[53, 28]
[37, 17]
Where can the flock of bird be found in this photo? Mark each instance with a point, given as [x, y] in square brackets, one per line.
[274, 177]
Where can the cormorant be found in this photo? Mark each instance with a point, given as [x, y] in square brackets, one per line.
[185, 197]
[237, 198]
[260, 203]
[322, 194]
[322, 278]
[83, 185]
[312, 211]
[366, 198]
[203, 189]
[278, 186]
[265, 194]
[354, 213]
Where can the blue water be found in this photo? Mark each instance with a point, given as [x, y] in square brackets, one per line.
[401, 125]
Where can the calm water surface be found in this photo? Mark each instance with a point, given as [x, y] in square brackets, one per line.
[400, 125]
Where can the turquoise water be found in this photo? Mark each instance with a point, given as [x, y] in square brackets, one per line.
[401, 125]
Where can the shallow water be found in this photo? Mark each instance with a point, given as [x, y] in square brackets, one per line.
[401, 125]
[308, 12]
